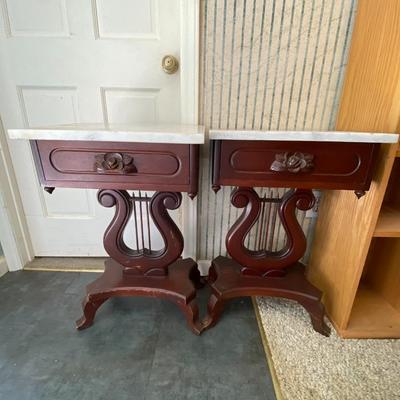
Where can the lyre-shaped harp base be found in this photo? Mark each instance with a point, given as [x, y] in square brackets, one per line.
[143, 271]
[263, 262]
[142, 261]
[262, 272]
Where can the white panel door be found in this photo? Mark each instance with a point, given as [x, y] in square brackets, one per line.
[68, 61]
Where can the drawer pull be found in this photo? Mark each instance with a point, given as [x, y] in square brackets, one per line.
[119, 163]
[293, 162]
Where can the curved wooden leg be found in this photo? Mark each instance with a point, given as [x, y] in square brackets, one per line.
[90, 308]
[316, 310]
[191, 311]
[227, 282]
[177, 286]
[215, 307]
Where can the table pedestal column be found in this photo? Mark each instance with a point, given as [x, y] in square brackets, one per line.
[261, 272]
[144, 271]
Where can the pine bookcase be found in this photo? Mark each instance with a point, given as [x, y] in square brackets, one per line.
[355, 258]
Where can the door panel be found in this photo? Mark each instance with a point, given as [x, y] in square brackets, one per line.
[71, 61]
[129, 19]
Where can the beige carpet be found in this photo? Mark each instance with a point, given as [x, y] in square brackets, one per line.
[308, 366]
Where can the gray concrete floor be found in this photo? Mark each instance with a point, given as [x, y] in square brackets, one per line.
[138, 348]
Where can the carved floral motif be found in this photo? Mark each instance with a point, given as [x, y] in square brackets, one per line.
[295, 162]
[114, 162]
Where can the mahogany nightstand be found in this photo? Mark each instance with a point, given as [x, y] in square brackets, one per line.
[298, 160]
[115, 159]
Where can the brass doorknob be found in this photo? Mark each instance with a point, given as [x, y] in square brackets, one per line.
[170, 64]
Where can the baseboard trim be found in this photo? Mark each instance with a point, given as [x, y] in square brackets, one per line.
[66, 264]
[3, 266]
[80, 264]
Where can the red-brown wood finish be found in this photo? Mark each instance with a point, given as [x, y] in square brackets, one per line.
[177, 286]
[142, 261]
[152, 166]
[227, 282]
[143, 271]
[262, 262]
[334, 165]
[114, 168]
[261, 272]
[301, 166]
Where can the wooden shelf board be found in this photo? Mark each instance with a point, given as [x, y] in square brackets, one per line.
[388, 224]
[372, 317]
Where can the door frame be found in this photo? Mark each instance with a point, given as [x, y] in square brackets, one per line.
[14, 234]
[190, 39]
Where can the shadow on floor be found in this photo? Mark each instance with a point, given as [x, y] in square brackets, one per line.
[138, 348]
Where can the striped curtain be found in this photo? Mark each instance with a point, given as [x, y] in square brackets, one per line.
[271, 65]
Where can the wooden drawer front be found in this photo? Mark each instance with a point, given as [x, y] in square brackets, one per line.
[146, 166]
[319, 165]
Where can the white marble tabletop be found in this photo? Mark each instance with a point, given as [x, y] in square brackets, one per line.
[307, 136]
[145, 133]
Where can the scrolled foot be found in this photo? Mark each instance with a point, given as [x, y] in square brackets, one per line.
[320, 326]
[317, 313]
[83, 323]
[89, 311]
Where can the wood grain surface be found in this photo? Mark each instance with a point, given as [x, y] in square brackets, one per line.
[370, 102]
